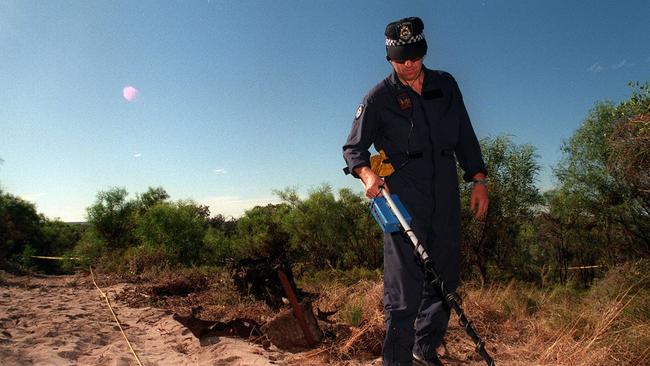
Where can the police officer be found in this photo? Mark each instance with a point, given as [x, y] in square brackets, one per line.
[418, 118]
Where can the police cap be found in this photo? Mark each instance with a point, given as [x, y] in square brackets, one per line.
[405, 39]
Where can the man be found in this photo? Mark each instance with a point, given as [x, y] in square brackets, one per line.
[418, 118]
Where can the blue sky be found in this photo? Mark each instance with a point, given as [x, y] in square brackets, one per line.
[238, 98]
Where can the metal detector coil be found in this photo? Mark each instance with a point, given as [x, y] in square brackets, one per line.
[385, 217]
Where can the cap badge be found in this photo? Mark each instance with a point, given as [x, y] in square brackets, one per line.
[359, 111]
[405, 31]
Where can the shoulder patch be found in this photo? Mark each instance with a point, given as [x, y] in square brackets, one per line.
[359, 111]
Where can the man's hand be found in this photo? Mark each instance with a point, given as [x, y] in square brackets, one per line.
[478, 199]
[371, 181]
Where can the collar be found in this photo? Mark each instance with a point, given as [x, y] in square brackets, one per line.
[427, 84]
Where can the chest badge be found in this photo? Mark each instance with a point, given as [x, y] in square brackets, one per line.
[404, 101]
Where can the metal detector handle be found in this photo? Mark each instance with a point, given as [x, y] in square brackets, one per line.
[405, 225]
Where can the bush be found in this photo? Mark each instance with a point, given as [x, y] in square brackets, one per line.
[217, 248]
[260, 234]
[26, 257]
[145, 258]
[112, 218]
[179, 228]
[19, 226]
[89, 249]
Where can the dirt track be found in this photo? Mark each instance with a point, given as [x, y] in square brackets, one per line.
[63, 320]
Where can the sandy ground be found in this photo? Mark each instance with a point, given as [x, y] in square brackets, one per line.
[63, 320]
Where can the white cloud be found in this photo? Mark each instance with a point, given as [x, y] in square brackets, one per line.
[220, 171]
[234, 206]
[596, 68]
[619, 65]
[137, 155]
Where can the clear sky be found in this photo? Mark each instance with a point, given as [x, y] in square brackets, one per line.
[238, 98]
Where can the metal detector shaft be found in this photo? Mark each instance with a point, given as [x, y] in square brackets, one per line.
[452, 299]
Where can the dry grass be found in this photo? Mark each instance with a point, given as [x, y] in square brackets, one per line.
[608, 324]
[522, 325]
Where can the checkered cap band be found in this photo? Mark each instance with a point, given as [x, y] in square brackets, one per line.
[399, 42]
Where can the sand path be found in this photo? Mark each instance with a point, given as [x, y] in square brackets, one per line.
[63, 320]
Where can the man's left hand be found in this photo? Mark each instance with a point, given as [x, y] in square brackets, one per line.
[478, 201]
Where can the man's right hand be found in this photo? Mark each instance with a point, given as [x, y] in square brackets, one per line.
[371, 182]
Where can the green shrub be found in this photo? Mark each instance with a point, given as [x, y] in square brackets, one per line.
[179, 228]
[218, 249]
[89, 249]
[352, 311]
[26, 257]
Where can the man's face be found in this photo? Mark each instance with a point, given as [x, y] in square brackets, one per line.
[407, 70]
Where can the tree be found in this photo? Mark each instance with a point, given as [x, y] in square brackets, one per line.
[260, 233]
[58, 237]
[19, 225]
[362, 234]
[111, 216]
[332, 232]
[227, 225]
[512, 170]
[150, 198]
[629, 143]
[563, 228]
[218, 248]
[591, 171]
[178, 227]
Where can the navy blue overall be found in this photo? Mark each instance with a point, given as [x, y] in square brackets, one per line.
[422, 135]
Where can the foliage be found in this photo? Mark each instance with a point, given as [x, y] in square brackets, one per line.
[111, 216]
[59, 237]
[26, 257]
[500, 239]
[88, 249]
[218, 247]
[629, 158]
[150, 198]
[260, 234]
[331, 232]
[19, 225]
[147, 258]
[177, 227]
[606, 202]
[226, 225]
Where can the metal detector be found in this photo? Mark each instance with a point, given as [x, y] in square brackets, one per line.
[397, 210]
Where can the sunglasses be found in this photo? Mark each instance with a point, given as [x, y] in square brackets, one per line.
[416, 59]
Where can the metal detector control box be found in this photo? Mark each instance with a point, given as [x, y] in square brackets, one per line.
[385, 217]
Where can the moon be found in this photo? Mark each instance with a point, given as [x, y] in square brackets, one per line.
[130, 93]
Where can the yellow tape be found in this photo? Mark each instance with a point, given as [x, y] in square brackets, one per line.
[585, 267]
[115, 317]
